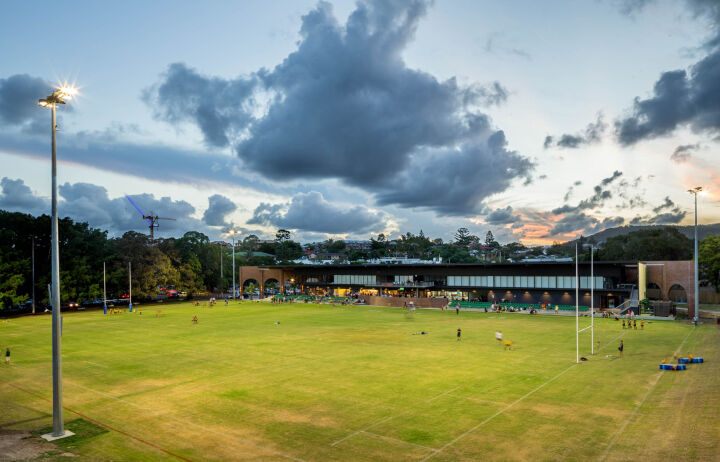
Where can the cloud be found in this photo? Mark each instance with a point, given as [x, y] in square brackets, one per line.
[344, 105]
[19, 95]
[571, 190]
[101, 150]
[680, 98]
[592, 134]
[587, 224]
[601, 194]
[86, 202]
[311, 212]
[220, 206]
[666, 213]
[669, 218]
[450, 182]
[684, 152]
[218, 107]
[501, 216]
[16, 196]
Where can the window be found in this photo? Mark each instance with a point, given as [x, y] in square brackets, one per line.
[466, 281]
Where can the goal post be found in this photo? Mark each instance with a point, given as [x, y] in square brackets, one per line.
[578, 330]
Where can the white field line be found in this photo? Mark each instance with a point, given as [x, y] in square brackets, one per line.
[155, 413]
[481, 401]
[390, 438]
[508, 406]
[501, 411]
[447, 392]
[639, 405]
[363, 430]
[96, 364]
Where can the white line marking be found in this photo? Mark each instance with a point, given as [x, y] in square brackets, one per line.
[637, 408]
[363, 430]
[185, 422]
[390, 438]
[96, 364]
[495, 415]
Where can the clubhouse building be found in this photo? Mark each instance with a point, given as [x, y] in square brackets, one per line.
[612, 284]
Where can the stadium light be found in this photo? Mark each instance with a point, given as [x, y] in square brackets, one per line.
[57, 97]
[695, 191]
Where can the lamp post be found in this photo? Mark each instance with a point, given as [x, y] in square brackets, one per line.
[233, 263]
[57, 97]
[695, 191]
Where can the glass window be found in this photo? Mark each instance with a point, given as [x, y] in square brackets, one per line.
[552, 283]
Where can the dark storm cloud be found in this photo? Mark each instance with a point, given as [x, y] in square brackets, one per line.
[16, 196]
[344, 105]
[19, 95]
[217, 106]
[219, 207]
[311, 212]
[680, 98]
[102, 150]
[501, 216]
[601, 194]
[684, 153]
[592, 134]
[456, 181]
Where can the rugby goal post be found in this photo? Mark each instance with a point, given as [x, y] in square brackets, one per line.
[577, 305]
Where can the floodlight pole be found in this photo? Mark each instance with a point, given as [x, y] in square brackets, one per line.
[58, 425]
[33, 274]
[577, 308]
[233, 265]
[592, 299]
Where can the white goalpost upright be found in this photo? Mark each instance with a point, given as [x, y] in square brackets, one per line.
[577, 305]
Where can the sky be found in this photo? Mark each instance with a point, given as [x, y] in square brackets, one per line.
[538, 121]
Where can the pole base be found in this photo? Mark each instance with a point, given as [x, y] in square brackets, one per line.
[50, 437]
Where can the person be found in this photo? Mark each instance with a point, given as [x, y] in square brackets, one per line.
[557, 308]
[620, 348]
[195, 319]
[508, 345]
[498, 336]
[642, 325]
[624, 323]
[635, 324]
[457, 308]
[459, 333]
[7, 356]
[226, 302]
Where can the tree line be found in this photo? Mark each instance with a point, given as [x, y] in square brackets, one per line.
[192, 263]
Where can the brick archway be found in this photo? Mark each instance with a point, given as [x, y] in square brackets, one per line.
[669, 273]
[264, 273]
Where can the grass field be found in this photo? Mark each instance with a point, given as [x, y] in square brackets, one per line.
[354, 384]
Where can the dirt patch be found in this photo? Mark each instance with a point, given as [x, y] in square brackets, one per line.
[21, 445]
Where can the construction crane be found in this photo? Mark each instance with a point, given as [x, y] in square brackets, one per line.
[151, 219]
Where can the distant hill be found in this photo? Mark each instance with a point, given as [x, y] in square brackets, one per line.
[703, 230]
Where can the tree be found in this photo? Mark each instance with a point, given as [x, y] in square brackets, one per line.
[651, 244]
[463, 238]
[709, 259]
[490, 241]
[282, 235]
